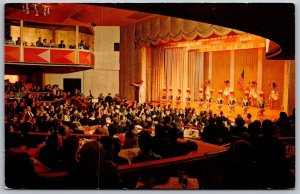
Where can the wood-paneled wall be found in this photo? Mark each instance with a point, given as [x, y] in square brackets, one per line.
[247, 60]
[273, 70]
[220, 70]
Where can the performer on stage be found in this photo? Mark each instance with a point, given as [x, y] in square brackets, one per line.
[261, 104]
[208, 99]
[207, 88]
[253, 93]
[226, 89]
[164, 96]
[178, 97]
[141, 89]
[232, 101]
[245, 102]
[273, 97]
[220, 101]
[200, 97]
[170, 95]
[188, 97]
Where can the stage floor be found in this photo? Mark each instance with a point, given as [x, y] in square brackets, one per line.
[272, 114]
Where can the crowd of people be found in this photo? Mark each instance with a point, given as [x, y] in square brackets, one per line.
[257, 157]
[44, 43]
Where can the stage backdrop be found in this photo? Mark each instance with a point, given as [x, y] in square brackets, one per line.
[187, 64]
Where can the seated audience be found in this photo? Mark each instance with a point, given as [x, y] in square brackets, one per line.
[50, 154]
[145, 143]
[94, 171]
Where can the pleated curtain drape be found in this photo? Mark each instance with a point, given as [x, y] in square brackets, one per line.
[195, 72]
[176, 70]
[155, 72]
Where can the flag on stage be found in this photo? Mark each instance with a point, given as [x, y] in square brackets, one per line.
[241, 81]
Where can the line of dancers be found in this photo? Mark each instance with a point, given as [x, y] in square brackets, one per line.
[226, 96]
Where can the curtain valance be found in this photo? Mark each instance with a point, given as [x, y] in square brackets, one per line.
[163, 29]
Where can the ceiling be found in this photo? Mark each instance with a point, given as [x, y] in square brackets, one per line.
[71, 14]
[275, 21]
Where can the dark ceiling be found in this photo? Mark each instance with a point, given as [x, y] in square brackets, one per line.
[275, 21]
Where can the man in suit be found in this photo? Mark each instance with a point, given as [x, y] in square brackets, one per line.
[61, 45]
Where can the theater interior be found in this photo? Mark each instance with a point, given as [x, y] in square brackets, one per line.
[197, 96]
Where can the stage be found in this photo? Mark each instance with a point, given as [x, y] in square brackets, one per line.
[269, 113]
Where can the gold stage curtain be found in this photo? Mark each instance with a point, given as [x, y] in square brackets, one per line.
[246, 59]
[273, 70]
[155, 72]
[176, 70]
[205, 68]
[195, 72]
[162, 29]
[220, 70]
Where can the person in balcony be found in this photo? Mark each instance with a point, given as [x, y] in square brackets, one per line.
[18, 42]
[45, 43]
[81, 45]
[39, 42]
[62, 45]
[9, 41]
[52, 44]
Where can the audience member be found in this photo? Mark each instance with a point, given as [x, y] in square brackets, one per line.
[94, 171]
[61, 45]
[39, 42]
[145, 143]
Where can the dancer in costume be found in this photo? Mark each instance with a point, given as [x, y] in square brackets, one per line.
[208, 99]
[273, 97]
[220, 101]
[170, 96]
[253, 93]
[188, 97]
[231, 101]
[261, 104]
[207, 88]
[164, 96]
[200, 97]
[178, 97]
[245, 102]
[226, 90]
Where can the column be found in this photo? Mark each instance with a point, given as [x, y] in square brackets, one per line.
[232, 69]
[210, 65]
[21, 44]
[259, 69]
[76, 44]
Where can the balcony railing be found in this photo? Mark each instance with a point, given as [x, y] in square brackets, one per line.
[47, 55]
